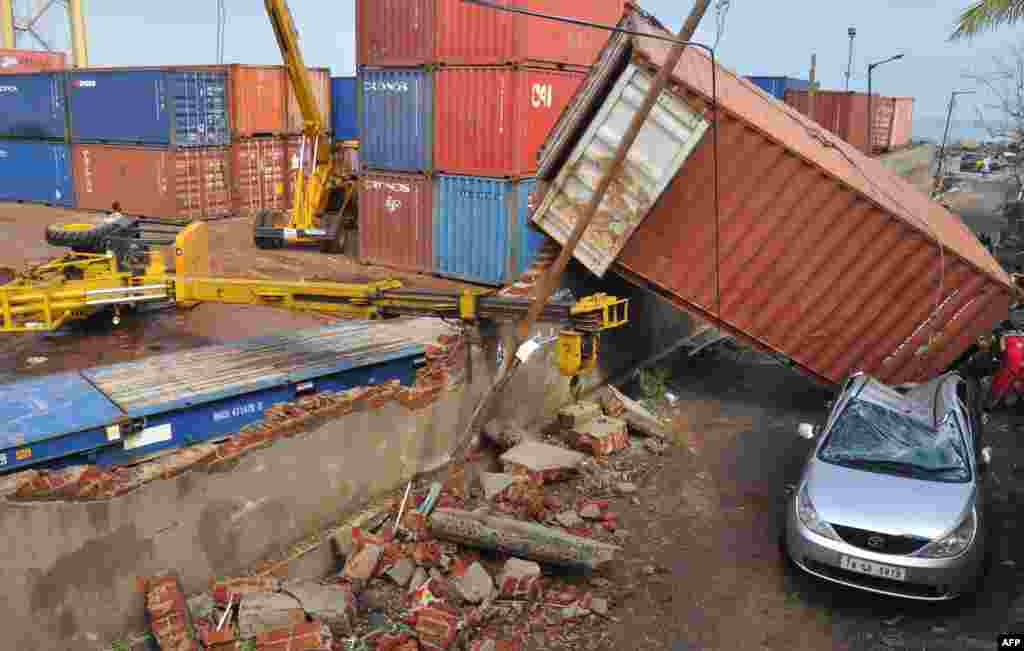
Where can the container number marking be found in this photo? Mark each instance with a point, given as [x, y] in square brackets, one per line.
[8, 89]
[85, 83]
[237, 412]
[542, 96]
[392, 204]
[387, 86]
[23, 454]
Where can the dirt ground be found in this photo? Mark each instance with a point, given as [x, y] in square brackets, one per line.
[233, 254]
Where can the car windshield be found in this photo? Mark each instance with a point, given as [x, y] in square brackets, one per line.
[870, 437]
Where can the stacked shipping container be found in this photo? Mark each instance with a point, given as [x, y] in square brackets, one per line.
[34, 156]
[461, 101]
[846, 115]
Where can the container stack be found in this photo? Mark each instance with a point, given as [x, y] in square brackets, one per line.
[454, 109]
[845, 113]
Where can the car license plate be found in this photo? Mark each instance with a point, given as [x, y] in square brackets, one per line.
[873, 569]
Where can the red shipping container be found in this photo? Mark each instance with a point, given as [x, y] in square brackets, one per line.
[258, 99]
[453, 32]
[902, 121]
[259, 174]
[396, 220]
[843, 113]
[19, 61]
[153, 181]
[493, 121]
[321, 80]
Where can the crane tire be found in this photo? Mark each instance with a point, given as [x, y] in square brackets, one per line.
[82, 237]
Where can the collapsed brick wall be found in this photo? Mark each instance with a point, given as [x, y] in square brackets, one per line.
[445, 369]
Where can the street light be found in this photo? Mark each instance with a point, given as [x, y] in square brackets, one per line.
[871, 116]
[945, 134]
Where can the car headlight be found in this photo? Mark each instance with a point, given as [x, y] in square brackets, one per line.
[956, 542]
[809, 516]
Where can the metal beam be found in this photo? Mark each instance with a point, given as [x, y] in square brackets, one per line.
[41, 8]
[7, 24]
[79, 42]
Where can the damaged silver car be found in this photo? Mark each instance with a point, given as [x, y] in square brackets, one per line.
[892, 498]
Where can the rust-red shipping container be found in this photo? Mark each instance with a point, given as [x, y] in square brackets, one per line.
[396, 220]
[258, 99]
[16, 61]
[902, 121]
[809, 248]
[153, 181]
[454, 32]
[881, 135]
[492, 121]
[321, 80]
[259, 169]
[843, 113]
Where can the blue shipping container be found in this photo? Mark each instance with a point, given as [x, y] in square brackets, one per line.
[36, 171]
[777, 86]
[33, 106]
[482, 228]
[397, 118]
[345, 123]
[177, 108]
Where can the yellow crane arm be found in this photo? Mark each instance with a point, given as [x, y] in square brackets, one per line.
[288, 42]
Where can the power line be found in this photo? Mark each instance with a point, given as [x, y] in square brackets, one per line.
[722, 8]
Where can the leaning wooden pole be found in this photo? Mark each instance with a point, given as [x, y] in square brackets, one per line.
[549, 280]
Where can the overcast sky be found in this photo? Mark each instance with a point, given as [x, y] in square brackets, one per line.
[769, 38]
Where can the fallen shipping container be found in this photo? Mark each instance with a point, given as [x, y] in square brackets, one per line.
[177, 107]
[154, 181]
[32, 106]
[808, 248]
[396, 220]
[482, 229]
[24, 61]
[259, 170]
[453, 32]
[344, 106]
[36, 172]
[493, 121]
[126, 412]
[320, 79]
[396, 121]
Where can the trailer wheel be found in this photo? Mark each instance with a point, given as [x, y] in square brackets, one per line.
[84, 238]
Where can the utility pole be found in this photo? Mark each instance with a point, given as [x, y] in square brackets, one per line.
[871, 115]
[812, 80]
[852, 32]
[548, 281]
[945, 135]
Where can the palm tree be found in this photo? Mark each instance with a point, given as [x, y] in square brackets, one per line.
[985, 15]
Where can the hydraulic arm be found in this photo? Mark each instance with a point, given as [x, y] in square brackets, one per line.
[118, 269]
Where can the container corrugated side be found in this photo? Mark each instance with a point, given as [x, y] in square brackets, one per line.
[174, 107]
[36, 172]
[813, 250]
[258, 100]
[531, 239]
[396, 220]
[397, 119]
[345, 125]
[24, 61]
[154, 182]
[776, 86]
[394, 32]
[320, 78]
[903, 121]
[492, 121]
[258, 173]
[842, 113]
[481, 229]
[33, 106]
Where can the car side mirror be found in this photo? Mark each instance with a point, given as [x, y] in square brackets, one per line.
[806, 431]
[986, 456]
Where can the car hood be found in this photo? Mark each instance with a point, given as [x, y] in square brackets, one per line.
[899, 506]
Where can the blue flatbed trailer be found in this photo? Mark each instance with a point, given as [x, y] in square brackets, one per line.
[117, 414]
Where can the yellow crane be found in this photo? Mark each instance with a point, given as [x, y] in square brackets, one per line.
[324, 199]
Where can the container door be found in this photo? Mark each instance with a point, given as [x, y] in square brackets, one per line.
[530, 238]
[199, 101]
[472, 228]
[397, 120]
[119, 106]
[666, 140]
[32, 106]
[35, 172]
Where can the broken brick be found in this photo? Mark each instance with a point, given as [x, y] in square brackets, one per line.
[427, 553]
[168, 614]
[519, 579]
[397, 642]
[436, 628]
[222, 589]
[602, 436]
[308, 636]
[416, 524]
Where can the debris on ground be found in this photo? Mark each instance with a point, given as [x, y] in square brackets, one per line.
[639, 418]
[487, 561]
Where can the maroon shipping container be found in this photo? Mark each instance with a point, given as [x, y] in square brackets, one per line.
[259, 175]
[396, 221]
[843, 113]
[492, 121]
[902, 121]
[258, 99]
[19, 61]
[453, 32]
[154, 182]
[321, 80]
[810, 248]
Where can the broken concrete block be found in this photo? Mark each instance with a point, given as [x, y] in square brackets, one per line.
[569, 519]
[602, 436]
[475, 585]
[401, 572]
[334, 604]
[599, 605]
[264, 611]
[548, 462]
[495, 483]
[625, 487]
[519, 579]
[611, 405]
[579, 413]
[523, 539]
[639, 419]
[343, 543]
[363, 564]
[504, 434]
